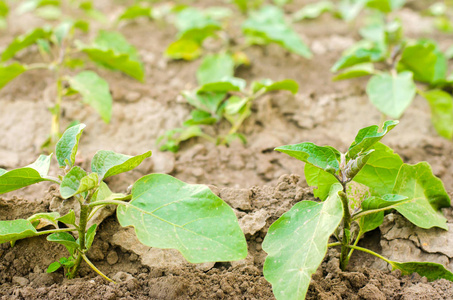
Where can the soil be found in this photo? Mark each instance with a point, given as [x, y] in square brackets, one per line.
[252, 178]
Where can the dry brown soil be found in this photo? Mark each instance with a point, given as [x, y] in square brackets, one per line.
[252, 178]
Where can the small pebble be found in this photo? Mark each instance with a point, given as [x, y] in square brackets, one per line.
[112, 257]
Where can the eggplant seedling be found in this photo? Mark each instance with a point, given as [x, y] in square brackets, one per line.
[165, 212]
[356, 188]
[61, 53]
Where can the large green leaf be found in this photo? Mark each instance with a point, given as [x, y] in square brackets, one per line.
[77, 181]
[113, 51]
[431, 271]
[66, 148]
[441, 104]
[381, 170]
[297, 242]
[268, 25]
[8, 73]
[108, 163]
[326, 158]
[23, 41]
[391, 94]
[268, 86]
[427, 193]
[16, 230]
[215, 67]
[168, 213]
[425, 61]
[22, 177]
[368, 136]
[319, 178]
[386, 6]
[95, 92]
[136, 11]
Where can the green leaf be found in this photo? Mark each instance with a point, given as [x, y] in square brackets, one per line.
[374, 202]
[113, 51]
[381, 170]
[176, 136]
[53, 267]
[431, 271]
[136, 11]
[4, 9]
[66, 148]
[428, 195]
[391, 94]
[319, 178]
[355, 71]
[368, 136]
[108, 163]
[168, 213]
[95, 92]
[24, 41]
[69, 218]
[104, 193]
[359, 56]
[269, 86]
[22, 177]
[76, 181]
[268, 26]
[314, 10]
[195, 25]
[89, 236]
[325, 157]
[183, 49]
[290, 264]
[226, 85]
[16, 230]
[51, 217]
[349, 9]
[200, 117]
[425, 61]
[215, 67]
[386, 6]
[8, 73]
[64, 239]
[441, 104]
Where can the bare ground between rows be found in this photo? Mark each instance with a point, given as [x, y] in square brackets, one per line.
[148, 273]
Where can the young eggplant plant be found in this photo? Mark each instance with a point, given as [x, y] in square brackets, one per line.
[401, 63]
[61, 53]
[165, 212]
[217, 100]
[356, 188]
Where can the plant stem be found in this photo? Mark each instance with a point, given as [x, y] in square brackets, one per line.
[84, 211]
[96, 269]
[56, 112]
[371, 252]
[359, 235]
[344, 259]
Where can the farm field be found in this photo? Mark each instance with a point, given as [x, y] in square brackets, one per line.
[258, 183]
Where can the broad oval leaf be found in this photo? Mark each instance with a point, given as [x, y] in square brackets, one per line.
[441, 104]
[269, 86]
[320, 179]
[168, 213]
[23, 41]
[66, 148]
[9, 72]
[425, 61]
[16, 230]
[76, 181]
[22, 177]
[108, 163]
[268, 25]
[64, 239]
[367, 137]
[297, 242]
[215, 67]
[326, 158]
[95, 92]
[391, 94]
[427, 195]
[432, 271]
[183, 49]
[381, 170]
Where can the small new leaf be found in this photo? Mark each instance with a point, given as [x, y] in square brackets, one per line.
[76, 181]
[108, 163]
[66, 148]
